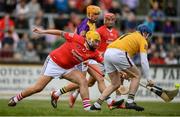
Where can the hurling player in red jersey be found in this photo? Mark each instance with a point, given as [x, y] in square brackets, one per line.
[88, 24]
[61, 61]
[108, 34]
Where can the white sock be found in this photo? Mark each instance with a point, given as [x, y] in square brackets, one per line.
[18, 97]
[118, 98]
[97, 105]
[57, 92]
[109, 101]
[75, 93]
[15, 99]
[130, 101]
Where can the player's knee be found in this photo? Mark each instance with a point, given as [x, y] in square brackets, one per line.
[83, 81]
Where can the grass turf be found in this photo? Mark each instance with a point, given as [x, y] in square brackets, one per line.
[43, 108]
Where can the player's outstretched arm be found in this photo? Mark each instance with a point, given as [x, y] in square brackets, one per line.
[48, 31]
[145, 69]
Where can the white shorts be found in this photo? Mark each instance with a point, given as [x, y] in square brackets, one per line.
[50, 68]
[82, 67]
[115, 59]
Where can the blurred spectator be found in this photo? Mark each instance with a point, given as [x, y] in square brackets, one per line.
[149, 22]
[49, 6]
[156, 59]
[170, 59]
[72, 6]
[115, 8]
[82, 4]
[12, 37]
[21, 22]
[30, 53]
[160, 2]
[39, 41]
[21, 45]
[6, 24]
[131, 23]
[170, 10]
[62, 6]
[107, 3]
[125, 14]
[39, 20]
[101, 15]
[173, 46]
[161, 46]
[2, 7]
[132, 4]
[33, 7]
[152, 49]
[61, 21]
[168, 27]
[50, 39]
[22, 8]
[75, 20]
[156, 14]
[6, 53]
[8, 39]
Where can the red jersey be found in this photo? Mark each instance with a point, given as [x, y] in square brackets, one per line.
[73, 52]
[10, 24]
[107, 36]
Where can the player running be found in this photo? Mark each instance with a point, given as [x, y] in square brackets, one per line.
[118, 58]
[61, 61]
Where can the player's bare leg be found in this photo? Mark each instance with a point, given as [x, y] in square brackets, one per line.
[100, 81]
[74, 94]
[115, 83]
[134, 74]
[77, 77]
[119, 96]
[37, 87]
[118, 93]
[71, 87]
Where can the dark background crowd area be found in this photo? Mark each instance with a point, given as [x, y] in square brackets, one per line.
[18, 17]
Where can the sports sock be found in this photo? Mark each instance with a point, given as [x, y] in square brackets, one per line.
[86, 103]
[97, 105]
[18, 97]
[118, 98]
[75, 93]
[109, 100]
[130, 98]
[60, 91]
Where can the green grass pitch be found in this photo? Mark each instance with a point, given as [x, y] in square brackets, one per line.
[43, 108]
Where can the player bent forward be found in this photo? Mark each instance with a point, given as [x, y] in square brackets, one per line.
[61, 62]
[117, 59]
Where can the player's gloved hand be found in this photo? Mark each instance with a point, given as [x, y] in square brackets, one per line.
[150, 83]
